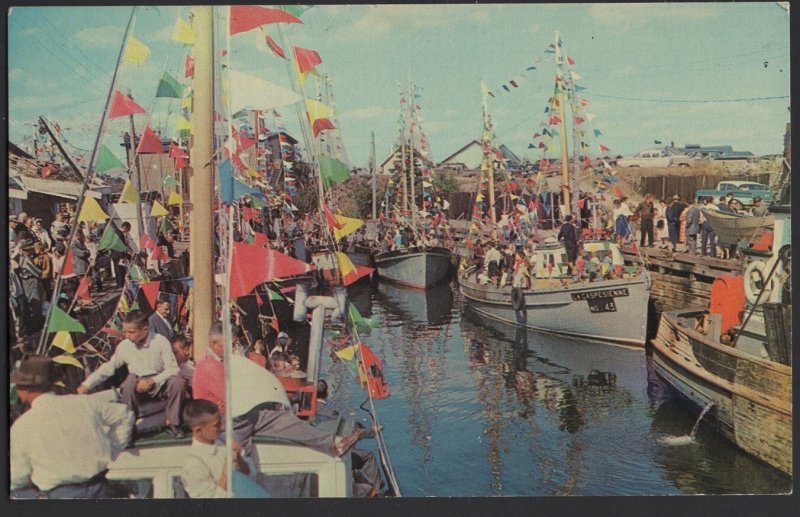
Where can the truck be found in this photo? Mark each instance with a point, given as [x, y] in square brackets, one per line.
[648, 158]
[743, 191]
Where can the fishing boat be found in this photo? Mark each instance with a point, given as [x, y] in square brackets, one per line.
[418, 266]
[731, 228]
[739, 372]
[611, 308]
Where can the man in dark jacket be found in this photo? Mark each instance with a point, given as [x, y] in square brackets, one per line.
[646, 212]
[673, 215]
[569, 235]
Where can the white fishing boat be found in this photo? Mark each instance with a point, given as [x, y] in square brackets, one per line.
[731, 228]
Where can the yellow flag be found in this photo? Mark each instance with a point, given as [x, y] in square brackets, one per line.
[123, 305]
[186, 102]
[63, 341]
[128, 194]
[349, 225]
[158, 210]
[174, 199]
[252, 173]
[479, 197]
[346, 354]
[317, 110]
[183, 124]
[67, 359]
[183, 33]
[136, 52]
[301, 76]
[91, 211]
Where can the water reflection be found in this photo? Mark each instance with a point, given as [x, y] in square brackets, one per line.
[432, 306]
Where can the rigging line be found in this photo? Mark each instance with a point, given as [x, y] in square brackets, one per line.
[587, 92]
[68, 54]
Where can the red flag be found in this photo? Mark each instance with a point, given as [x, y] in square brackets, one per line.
[579, 120]
[66, 269]
[146, 242]
[253, 265]
[150, 290]
[617, 191]
[150, 143]
[246, 142]
[181, 163]
[307, 59]
[176, 152]
[248, 213]
[274, 46]
[555, 120]
[189, 67]
[247, 17]
[274, 324]
[47, 170]
[123, 105]
[513, 83]
[321, 124]
[238, 162]
[603, 148]
[158, 254]
[330, 219]
[82, 291]
[259, 301]
[570, 60]
[260, 239]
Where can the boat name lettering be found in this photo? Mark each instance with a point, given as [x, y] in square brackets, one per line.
[605, 293]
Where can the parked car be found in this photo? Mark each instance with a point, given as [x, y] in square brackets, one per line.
[680, 159]
[743, 191]
[648, 158]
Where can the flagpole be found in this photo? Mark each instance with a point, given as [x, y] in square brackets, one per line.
[41, 348]
[374, 186]
[563, 136]
[411, 158]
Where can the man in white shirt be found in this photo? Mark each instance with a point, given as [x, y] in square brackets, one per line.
[153, 372]
[63, 444]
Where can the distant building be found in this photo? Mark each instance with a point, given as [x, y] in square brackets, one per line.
[725, 150]
[470, 157]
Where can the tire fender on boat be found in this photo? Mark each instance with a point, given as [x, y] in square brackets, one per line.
[754, 278]
[517, 299]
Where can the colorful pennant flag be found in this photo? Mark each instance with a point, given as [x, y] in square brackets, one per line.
[128, 194]
[149, 143]
[276, 49]
[158, 209]
[332, 171]
[345, 226]
[174, 199]
[150, 290]
[123, 105]
[67, 359]
[272, 265]
[170, 87]
[183, 33]
[60, 320]
[91, 211]
[107, 161]
[111, 240]
[136, 52]
[307, 59]
[82, 290]
[189, 67]
[169, 181]
[248, 17]
[63, 340]
[346, 268]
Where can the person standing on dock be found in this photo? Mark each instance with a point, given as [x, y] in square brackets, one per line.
[759, 210]
[693, 220]
[646, 213]
[707, 234]
[673, 214]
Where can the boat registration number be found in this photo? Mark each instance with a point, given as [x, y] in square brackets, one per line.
[601, 301]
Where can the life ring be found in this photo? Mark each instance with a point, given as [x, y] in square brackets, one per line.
[517, 299]
[754, 279]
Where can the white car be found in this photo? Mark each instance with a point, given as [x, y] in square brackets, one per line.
[649, 158]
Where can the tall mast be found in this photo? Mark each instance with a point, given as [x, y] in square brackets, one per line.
[565, 178]
[403, 169]
[373, 172]
[411, 158]
[201, 180]
[136, 172]
[487, 129]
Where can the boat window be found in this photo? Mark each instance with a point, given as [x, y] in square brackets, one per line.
[299, 484]
[141, 488]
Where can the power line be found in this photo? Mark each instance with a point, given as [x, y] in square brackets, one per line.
[587, 92]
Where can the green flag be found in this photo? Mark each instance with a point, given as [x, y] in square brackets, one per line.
[60, 320]
[257, 202]
[169, 181]
[107, 161]
[361, 323]
[136, 274]
[274, 295]
[111, 240]
[169, 87]
[297, 10]
[166, 226]
[332, 171]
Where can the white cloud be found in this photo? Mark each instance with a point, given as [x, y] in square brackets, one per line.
[369, 113]
[630, 16]
[99, 37]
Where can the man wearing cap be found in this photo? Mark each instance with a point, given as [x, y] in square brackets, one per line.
[759, 210]
[153, 372]
[281, 344]
[61, 447]
[673, 215]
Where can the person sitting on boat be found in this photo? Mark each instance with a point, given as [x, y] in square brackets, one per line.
[257, 353]
[265, 420]
[153, 372]
[182, 348]
[398, 240]
[759, 210]
[607, 267]
[569, 234]
[522, 277]
[281, 345]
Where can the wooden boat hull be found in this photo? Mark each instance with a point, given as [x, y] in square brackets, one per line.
[731, 228]
[752, 397]
[610, 310]
[414, 267]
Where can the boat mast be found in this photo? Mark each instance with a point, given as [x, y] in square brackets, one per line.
[43, 124]
[137, 174]
[565, 177]
[372, 171]
[403, 169]
[411, 158]
[487, 142]
[201, 181]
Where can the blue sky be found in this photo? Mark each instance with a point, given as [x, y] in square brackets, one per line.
[639, 63]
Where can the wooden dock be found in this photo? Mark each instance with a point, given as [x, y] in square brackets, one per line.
[681, 280]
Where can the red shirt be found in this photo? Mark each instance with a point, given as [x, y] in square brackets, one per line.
[209, 380]
[257, 358]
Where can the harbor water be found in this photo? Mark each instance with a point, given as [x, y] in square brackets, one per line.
[481, 408]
